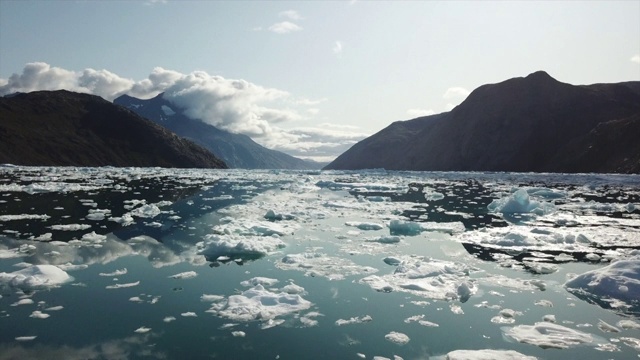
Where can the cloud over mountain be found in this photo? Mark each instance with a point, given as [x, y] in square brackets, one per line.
[238, 106]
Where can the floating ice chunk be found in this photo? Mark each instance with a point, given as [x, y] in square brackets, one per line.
[397, 338]
[238, 334]
[354, 320]
[25, 301]
[435, 279]
[386, 239]
[120, 286]
[54, 308]
[365, 225]
[549, 318]
[136, 299]
[146, 211]
[119, 272]
[619, 280]
[211, 298]
[628, 324]
[142, 330]
[391, 260]
[189, 314]
[420, 320]
[184, 275]
[70, 227]
[169, 319]
[540, 268]
[36, 276]
[544, 303]
[485, 354]
[432, 195]
[309, 320]
[294, 289]
[410, 228]
[240, 246]
[259, 303]
[274, 216]
[271, 323]
[39, 315]
[456, 309]
[318, 264]
[125, 220]
[25, 338]
[605, 327]
[548, 335]
[264, 281]
[519, 203]
[24, 217]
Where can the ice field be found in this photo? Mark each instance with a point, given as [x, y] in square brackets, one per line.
[104, 263]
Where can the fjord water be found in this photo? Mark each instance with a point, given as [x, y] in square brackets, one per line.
[234, 264]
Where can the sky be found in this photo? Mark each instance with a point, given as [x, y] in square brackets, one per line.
[311, 78]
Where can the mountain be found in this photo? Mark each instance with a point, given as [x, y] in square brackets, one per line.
[237, 150]
[535, 123]
[62, 128]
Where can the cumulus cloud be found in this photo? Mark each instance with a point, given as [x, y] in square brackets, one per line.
[284, 27]
[322, 142]
[456, 92]
[235, 105]
[636, 59]
[414, 113]
[290, 14]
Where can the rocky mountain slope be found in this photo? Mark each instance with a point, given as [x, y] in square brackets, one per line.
[535, 123]
[62, 128]
[237, 150]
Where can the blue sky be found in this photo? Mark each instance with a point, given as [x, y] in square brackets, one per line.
[310, 78]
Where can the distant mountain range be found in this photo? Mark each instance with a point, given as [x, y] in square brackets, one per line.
[237, 150]
[530, 124]
[62, 128]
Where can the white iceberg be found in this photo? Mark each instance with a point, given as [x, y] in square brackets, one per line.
[520, 203]
[36, 276]
[619, 280]
[259, 303]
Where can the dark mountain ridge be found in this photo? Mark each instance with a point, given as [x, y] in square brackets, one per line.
[63, 128]
[535, 123]
[237, 150]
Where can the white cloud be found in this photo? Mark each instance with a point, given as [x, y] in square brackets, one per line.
[290, 14]
[238, 106]
[414, 113]
[636, 59]
[456, 92]
[284, 27]
[337, 48]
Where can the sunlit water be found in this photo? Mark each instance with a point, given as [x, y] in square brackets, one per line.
[190, 264]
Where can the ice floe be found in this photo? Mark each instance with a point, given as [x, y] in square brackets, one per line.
[184, 275]
[550, 335]
[354, 320]
[619, 280]
[485, 354]
[397, 338]
[258, 303]
[36, 276]
[427, 277]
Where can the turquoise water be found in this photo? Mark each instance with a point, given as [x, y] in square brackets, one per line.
[100, 323]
